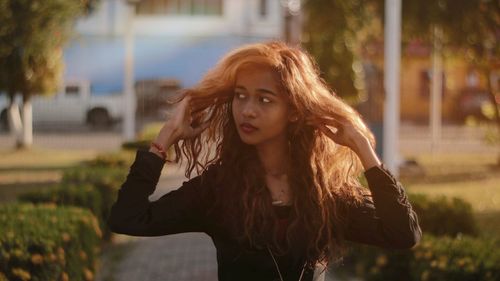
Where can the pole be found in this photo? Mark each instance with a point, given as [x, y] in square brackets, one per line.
[128, 81]
[436, 92]
[392, 54]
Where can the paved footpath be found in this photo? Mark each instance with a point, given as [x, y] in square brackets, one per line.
[179, 257]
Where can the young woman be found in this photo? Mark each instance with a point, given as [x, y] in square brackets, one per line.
[278, 192]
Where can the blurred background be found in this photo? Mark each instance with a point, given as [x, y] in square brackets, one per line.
[83, 85]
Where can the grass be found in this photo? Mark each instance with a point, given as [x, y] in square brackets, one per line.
[34, 169]
[36, 159]
[474, 178]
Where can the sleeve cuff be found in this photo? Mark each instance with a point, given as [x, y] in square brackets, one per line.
[150, 160]
[379, 175]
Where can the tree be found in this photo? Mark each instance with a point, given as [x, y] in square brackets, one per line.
[332, 32]
[32, 34]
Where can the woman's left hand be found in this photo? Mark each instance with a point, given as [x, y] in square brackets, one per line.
[343, 132]
[346, 134]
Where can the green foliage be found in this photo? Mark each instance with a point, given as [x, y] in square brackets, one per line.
[32, 34]
[47, 243]
[444, 216]
[85, 196]
[435, 258]
[105, 180]
[460, 258]
[467, 24]
[111, 160]
[94, 188]
[331, 35]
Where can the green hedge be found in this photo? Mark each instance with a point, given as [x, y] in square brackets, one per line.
[94, 188]
[444, 216]
[107, 181]
[112, 160]
[459, 258]
[79, 195]
[435, 258]
[45, 242]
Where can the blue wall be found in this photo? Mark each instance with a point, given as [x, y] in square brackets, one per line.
[101, 59]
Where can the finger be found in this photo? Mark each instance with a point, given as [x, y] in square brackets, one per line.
[331, 121]
[328, 133]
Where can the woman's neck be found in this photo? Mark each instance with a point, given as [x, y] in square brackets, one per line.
[274, 158]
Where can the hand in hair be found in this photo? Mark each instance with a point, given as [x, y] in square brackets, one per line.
[179, 124]
[345, 133]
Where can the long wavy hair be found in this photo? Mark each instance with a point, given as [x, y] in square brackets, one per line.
[323, 175]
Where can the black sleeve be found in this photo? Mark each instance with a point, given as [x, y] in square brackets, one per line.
[181, 210]
[385, 218]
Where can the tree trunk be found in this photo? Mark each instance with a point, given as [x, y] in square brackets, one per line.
[14, 120]
[26, 140]
[489, 86]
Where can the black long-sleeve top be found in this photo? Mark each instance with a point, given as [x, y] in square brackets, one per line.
[385, 219]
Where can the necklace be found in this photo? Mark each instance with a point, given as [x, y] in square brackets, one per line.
[278, 268]
[280, 195]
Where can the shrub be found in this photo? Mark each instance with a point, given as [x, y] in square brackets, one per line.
[111, 160]
[81, 195]
[106, 181]
[45, 242]
[444, 216]
[459, 258]
[435, 258]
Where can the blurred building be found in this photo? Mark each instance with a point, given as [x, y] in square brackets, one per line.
[174, 39]
[464, 91]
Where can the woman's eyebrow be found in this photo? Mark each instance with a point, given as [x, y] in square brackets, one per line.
[262, 90]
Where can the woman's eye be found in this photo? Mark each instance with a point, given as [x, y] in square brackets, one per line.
[239, 95]
[266, 100]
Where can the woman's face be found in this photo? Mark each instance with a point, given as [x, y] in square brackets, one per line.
[260, 109]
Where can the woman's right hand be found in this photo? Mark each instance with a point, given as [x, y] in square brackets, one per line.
[178, 126]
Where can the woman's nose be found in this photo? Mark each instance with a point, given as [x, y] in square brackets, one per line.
[249, 110]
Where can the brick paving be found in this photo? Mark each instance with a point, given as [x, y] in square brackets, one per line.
[179, 257]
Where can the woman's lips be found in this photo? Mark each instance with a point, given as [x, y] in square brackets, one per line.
[247, 128]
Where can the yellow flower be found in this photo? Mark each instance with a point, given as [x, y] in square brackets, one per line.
[442, 262]
[36, 259]
[89, 276]
[21, 273]
[52, 257]
[83, 255]
[66, 237]
[17, 253]
[381, 260]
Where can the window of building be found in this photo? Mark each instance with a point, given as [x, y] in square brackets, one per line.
[180, 7]
[263, 8]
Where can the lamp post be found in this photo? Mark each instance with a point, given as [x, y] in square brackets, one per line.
[392, 55]
[292, 21]
[128, 79]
